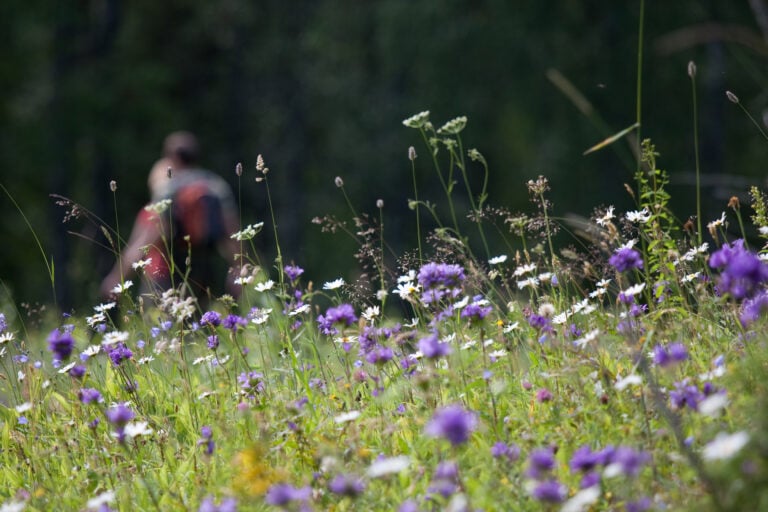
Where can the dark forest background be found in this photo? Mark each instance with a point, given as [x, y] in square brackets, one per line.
[320, 88]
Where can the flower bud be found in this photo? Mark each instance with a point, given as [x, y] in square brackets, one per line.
[239, 169]
[113, 185]
[732, 97]
[338, 181]
[692, 69]
[379, 204]
[411, 153]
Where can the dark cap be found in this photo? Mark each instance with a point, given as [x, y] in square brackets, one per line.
[182, 146]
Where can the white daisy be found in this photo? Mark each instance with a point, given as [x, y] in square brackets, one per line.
[335, 284]
[629, 380]
[266, 285]
[725, 446]
[347, 417]
[496, 260]
[639, 216]
[606, 218]
[120, 288]
[388, 466]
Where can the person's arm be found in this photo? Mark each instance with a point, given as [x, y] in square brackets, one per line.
[146, 231]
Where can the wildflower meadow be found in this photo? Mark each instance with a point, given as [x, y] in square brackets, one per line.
[614, 364]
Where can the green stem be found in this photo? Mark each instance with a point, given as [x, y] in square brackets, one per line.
[696, 151]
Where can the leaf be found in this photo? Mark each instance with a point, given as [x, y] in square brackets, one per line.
[611, 139]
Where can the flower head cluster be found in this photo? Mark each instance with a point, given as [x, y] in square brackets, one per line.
[743, 274]
[61, 344]
[293, 272]
[626, 258]
[440, 280]
[211, 318]
[672, 354]
[476, 310]
[119, 416]
[453, 423]
[417, 120]
[432, 348]
[343, 314]
[445, 481]
[282, 495]
[753, 308]
[251, 383]
[118, 353]
[207, 440]
[346, 485]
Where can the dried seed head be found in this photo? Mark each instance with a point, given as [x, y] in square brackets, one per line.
[239, 169]
[692, 69]
[734, 203]
[732, 97]
[338, 181]
[689, 226]
[113, 185]
[379, 204]
[259, 163]
[411, 153]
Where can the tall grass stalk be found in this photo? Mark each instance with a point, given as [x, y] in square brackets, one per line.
[49, 266]
[692, 75]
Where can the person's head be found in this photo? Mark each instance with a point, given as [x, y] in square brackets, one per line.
[182, 148]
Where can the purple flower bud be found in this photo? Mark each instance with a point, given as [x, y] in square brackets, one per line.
[453, 423]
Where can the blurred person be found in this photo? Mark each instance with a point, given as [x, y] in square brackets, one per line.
[194, 230]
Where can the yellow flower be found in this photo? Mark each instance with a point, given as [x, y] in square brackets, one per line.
[254, 474]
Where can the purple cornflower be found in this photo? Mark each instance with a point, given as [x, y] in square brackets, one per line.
[251, 383]
[625, 259]
[61, 344]
[685, 394]
[584, 459]
[440, 280]
[640, 505]
[233, 322]
[511, 452]
[540, 323]
[431, 347]
[342, 314]
[346, 485]
[213, 342]
[119, 353]
[752, 309]
[380, 355]
[476, 311]
[119, 415]
[445, 481]
[540, 462]
[77, 371]
[211, 318]
[627, 461]
[550, 491]
[226, 505]
[743, 273]
[3, 323]
[543, 395]
[281, 495]
[89, 396]
[293, 272]
[454, 423]
[590, 480]
[207, 440]
[669, 355]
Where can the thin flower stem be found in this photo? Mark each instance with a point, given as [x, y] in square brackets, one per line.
[699, 233]
[416, 207]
